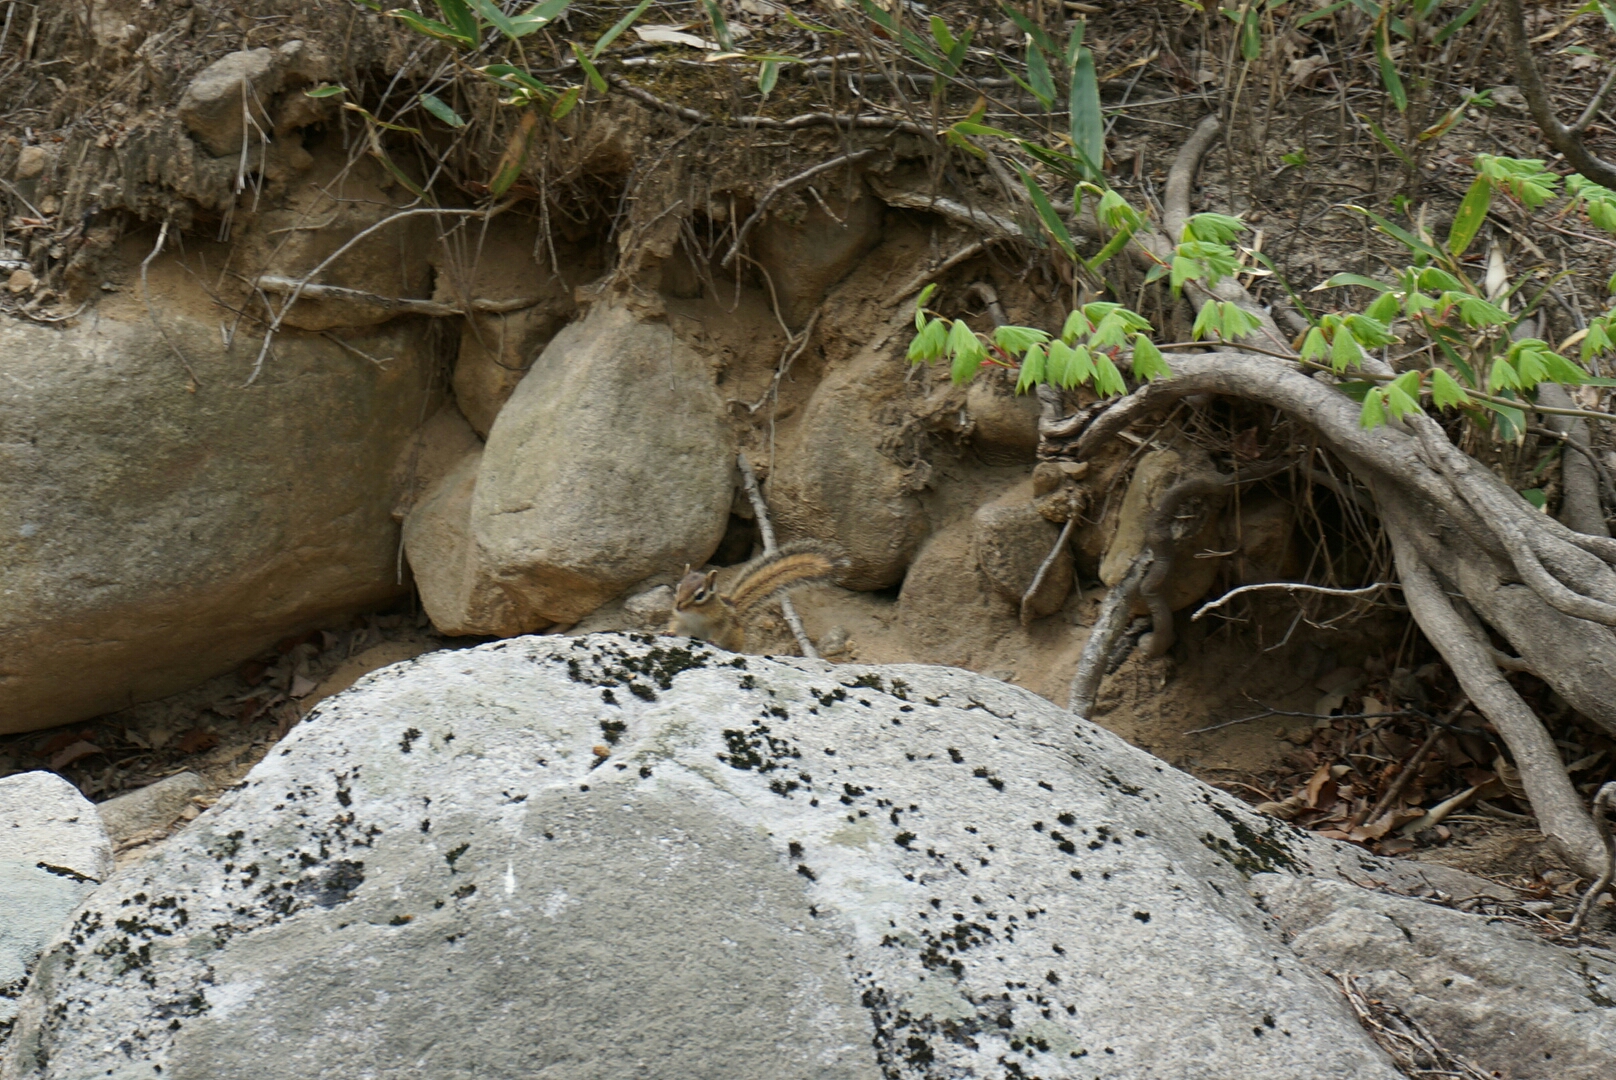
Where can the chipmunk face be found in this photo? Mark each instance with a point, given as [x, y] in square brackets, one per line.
[695, 589]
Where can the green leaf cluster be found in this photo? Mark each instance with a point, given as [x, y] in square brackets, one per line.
[1085, 352]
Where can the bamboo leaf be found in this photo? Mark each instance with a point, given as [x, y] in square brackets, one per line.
[1401, 235]
[1039, 37]
[1046, 212]
[617, 28]
[496, 18]
[432, 28]
[721, 31]
[1388, 69]
[591, 72]
[565, 103]
[1472, 212]
[1354, 279]
[1088, 122]
[436, 107]
[538, 16]
[1038, 77]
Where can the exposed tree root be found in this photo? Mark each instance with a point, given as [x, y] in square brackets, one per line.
[1460, 536]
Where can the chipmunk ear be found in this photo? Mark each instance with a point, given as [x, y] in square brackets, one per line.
[712, 578]
[687, 569]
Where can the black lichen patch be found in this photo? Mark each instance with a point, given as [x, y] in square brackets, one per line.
[332, 884]
[981, 773]
[829, 698]
[408, 741]
[907, 1045]
[1113, 781]
[612, 731]
[1256, 853]
[757, 748]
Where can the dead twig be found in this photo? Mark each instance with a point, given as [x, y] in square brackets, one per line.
[303, 282]
[784, 186]
[1604, 803]
[1043, 568]
[403, 305]
[805, 120]
[1288, 586]
[151, 312]
[1394, 792]
[795, 347]
[969, 251]
[766, 530]
[1413, 1049]
[1567, 140]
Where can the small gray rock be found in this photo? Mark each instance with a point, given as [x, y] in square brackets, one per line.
[1515, 1004]
[151, 807]
[213, 105]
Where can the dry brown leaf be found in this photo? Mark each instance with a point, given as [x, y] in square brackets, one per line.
[196, 740]
[1510, 777]
[74, 752]
[1321, 787]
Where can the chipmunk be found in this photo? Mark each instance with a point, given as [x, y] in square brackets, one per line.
[701, 611]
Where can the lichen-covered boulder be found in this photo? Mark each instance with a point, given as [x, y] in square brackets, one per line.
[54, 851]
[613, 856]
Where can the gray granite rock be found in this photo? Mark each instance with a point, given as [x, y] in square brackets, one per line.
[1517, 1005]
[610, 857]
[53, 852]
[154, 806]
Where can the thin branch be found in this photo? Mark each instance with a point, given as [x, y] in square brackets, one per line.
[1043, 568]
[805, 120]
[1604, 803]
[1410, 768]
[1587, 118]
[794, 346]
[1289, 586]
[151, 312]
[766, 530]
[786, 185]
[1266, 713]
[1567, 141]
[303, 282]
[404, 305]
[969, 251]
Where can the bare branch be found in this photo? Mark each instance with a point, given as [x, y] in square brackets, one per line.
[766, 530]
[786, 185]
[1567, 141]
[151, 312]
[1288, 586]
